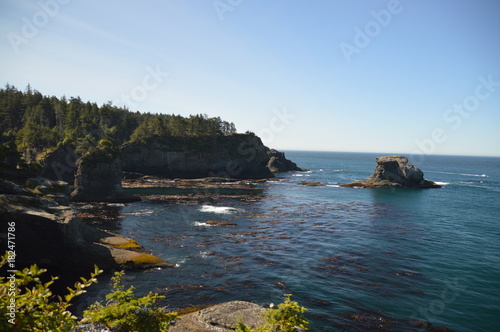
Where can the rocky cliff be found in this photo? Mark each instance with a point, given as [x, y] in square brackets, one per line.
[395, 171]
[99, 177]
[234, 156]
[60, 163]
[48, 234]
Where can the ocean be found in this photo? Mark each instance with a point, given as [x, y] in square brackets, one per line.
[351, 256]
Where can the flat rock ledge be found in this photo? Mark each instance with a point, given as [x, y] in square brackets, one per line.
[221, 317]
[53, 237]
[392, 172]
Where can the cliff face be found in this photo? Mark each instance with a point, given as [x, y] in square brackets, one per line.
[395, 171]
[98, 178]
[233, 156]
[61, 163]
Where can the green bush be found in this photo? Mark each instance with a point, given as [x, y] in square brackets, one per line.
[288, 317]
[28, 305]
[125, 312]
[105, 143]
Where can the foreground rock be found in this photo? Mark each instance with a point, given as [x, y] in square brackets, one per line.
[221, 318]
[99, 178]
[278, 162]
[395, 171]
[50, 235]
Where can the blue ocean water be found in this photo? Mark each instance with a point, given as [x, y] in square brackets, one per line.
[430, 255]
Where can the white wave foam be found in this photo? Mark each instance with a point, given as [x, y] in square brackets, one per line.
[339, 170]
[140, 212]
[202, 224]
[462, 174]
[217, 209]
[206, 254]
[87, 207]
[441, 183]
[116, 204]
[333, 185]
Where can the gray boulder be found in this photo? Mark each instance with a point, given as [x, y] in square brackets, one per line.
[221, 317]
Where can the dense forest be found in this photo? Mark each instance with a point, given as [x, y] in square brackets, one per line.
[36, 123]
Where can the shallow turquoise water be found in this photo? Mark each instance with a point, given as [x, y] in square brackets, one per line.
[428, 254]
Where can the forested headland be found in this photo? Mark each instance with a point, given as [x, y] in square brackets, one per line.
[36, 123]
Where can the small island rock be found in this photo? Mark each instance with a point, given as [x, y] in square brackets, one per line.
[278, 162]
[395, 171]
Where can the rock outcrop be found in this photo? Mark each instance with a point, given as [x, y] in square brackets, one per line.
[278, 163]
[50, 235]
[239, 156]
[221, 317]
[99, 177]
[395, 171]
[60, 163]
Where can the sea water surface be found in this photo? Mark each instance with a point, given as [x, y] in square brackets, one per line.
[430, 255]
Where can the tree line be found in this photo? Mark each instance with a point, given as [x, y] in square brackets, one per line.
[37, 123]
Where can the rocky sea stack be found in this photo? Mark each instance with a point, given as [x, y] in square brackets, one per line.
[278, 162]
[395, 171]
[99, 177]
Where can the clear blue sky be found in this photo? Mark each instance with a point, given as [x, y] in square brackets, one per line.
[336, 75]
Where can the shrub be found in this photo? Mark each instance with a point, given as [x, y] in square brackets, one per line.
[288, 317]
[125, 312]
[28, 305]
[105, 143]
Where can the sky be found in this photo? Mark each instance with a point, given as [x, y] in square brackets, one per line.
[396, 76]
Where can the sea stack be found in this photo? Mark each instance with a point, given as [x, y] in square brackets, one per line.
[98, 178]
[395, 171]
[278, 162]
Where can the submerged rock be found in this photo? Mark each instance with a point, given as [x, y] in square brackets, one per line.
[312, 183]
[395, 171]
[220, 223]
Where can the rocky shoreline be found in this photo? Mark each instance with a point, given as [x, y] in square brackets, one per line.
[53, 237]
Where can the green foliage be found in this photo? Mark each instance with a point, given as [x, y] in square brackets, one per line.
[10, 156]
[36, 308]
[129, 313]
[39, 123]
[288, 317]
[105, 143]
